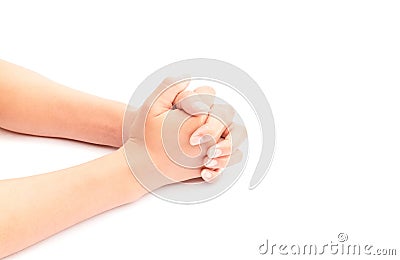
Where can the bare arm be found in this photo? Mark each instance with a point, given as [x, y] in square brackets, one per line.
[34, 208]
[33, 104]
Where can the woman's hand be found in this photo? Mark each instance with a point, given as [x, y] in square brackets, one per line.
[180, 135]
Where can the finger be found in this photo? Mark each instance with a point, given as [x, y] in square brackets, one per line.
[197, 102]
[223, 148]
[210, 175]
[220, 118]
[223, 162]
[212, 128]
[207, 95]
[234, 137]
[163, 97]
[191, 103]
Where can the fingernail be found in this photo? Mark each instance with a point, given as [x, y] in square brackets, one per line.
[205, 139]
[213, 152]
[212, 163]
[195, 140]
[200, 107]
[206, 175]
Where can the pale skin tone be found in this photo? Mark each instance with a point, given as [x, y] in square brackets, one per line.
[36, 207]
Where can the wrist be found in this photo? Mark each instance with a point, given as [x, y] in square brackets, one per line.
[113, 123]
[122, 179]
[143, 167]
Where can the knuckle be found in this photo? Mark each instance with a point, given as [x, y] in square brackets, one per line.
[242, 131]
[224, 113]
[205, 90]
[228, 112]
[168, 81]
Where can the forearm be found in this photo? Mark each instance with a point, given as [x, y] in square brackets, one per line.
[37, 207]
[33, 104]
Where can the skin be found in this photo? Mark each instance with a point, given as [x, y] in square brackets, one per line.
[32, 104]
[36, 207]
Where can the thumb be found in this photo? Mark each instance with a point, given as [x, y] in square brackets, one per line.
[162, 99]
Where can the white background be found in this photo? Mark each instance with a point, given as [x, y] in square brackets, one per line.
[330, 70]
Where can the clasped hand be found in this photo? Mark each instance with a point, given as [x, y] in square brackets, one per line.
[179, 135]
